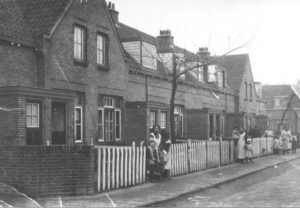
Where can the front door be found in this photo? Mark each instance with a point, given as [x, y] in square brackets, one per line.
[58, 123]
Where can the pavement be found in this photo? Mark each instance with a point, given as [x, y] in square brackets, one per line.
[151, 193]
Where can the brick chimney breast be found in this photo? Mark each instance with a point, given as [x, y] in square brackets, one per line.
[113, 13]
[165, 41]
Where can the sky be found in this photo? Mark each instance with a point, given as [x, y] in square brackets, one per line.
[271, 26]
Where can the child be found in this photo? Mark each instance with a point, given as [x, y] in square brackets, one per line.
[294, 144]
[249, 150]
[152, 158]
[276, 145]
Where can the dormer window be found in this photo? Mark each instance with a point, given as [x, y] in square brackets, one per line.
[212, 73]
[197, 73]
[280, 101]
[149, 55]
[221, 78]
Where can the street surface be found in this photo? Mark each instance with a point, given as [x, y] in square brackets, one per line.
[274, 187]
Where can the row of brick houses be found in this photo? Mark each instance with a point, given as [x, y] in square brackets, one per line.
[71, 73]
[277, 98]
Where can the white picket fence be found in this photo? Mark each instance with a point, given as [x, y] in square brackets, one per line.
[119, 167]
[179, 159]
[262, 146]
[199, 155]
[124, 166]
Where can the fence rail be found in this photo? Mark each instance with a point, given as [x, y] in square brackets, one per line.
[119, 167]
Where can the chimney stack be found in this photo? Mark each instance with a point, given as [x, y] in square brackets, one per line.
[113, 13]
[165, 42]
[203, 53]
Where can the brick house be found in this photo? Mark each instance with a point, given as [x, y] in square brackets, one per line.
[63, 73]
[203, 97]
[277, 97]
[250, 107]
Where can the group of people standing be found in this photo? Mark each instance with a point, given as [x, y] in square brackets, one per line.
[285, 142]
[244, 144]
[158, 156]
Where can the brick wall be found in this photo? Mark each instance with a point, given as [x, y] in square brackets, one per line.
[48, 170]
[61, 72]
[18, 67]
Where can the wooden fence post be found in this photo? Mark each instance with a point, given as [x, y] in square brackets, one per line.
[189, 154]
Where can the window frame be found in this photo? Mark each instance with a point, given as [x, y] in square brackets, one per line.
[246, 90]
[80, 61]
[105, 43]
[163, 123]
[31, 115]
[81, 124]
[120, 124]
[178, 112]
[102, 120]
[250, 92]
[150, 118]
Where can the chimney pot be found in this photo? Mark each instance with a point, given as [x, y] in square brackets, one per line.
[113, 13]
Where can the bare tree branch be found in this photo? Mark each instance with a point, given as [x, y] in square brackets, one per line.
[215, 59]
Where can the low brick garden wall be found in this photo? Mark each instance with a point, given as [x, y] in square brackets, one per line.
[48, 170]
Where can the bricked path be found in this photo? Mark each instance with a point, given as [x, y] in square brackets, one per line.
[148, 194]
[274, 187]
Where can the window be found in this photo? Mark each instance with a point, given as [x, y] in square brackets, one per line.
[101, 50]
[32, 115]
[79, 43]
[118, 124]
[212, 73]
[250, 88]
[78, 116]
[109, 124]
[178, 121]
[197, 72]
[149, 55]
[220, 79]
[109, 119]
[78, 124]
[100, 125]
[163, 120]
[246, 91]
[152, 119]
[280, 101]
[108, 102]
[276, 102]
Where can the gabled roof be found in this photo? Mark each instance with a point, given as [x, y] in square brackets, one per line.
[13, 26]
[235, 66]
[42, 14]
[271, 91]
[23, 20]
[128, 33]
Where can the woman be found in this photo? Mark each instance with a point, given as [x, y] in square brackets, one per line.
[165, 153]
[241, 146]
[155, 134]
[286, 137]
